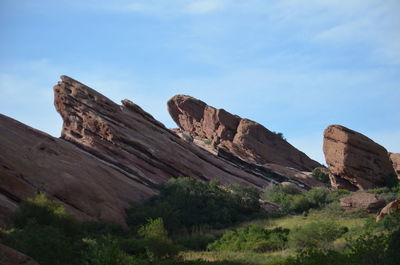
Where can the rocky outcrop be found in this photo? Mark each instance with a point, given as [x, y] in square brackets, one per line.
[355, 161]
[32, 162]
[395, 158]
[108, 156]
[390, 208]
[9, 256]
[362, 201]
[243, 138]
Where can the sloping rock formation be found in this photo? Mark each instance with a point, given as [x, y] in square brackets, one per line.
[395, 158]
[390, 208]
[243, 138]
[32, 161]
[362, 201]
[108, 156]
[129, 138]
[355, 161]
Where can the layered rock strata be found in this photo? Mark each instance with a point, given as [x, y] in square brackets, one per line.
[245, 139]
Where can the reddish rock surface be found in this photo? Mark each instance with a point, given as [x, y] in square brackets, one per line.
[32, 161]
[243, 138]
[395, 158]
[355, 161]
[390, 208]
[9, 256]
[362, 201]
[109, 155]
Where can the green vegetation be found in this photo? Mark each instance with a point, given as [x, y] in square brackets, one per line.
[196, 223]
[320, 175]
[252, 238]
[188, 203]
[293, 201]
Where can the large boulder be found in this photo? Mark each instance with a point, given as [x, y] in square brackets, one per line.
[9, 256]
[246, 139]
[390, 208]
[362, 201]
[395, 158]
[355, 161]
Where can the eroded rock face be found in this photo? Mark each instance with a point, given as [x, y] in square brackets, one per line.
[390, 208]
[362, 201]
[131, 139]
[243, 138]
[395, 158]
[355, 161]
[32, 162]
[108, 156]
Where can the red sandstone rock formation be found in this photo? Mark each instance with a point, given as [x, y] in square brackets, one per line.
[32, 161]
[355, 161]
[362, 201]
[395, 158]
[243, 138]
[109, 155]
[390, 208]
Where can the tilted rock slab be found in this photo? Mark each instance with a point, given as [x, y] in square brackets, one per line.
[395, 158]
[355, 161]
[390, 208]
[108, 156]
[243, 138]
[32, 161]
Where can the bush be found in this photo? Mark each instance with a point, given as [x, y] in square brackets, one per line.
[292, 201]
[44, 231]
[156, 241]
[187, 203]
[252, 238]
[315, 235]
[105, 251]
[318, 174]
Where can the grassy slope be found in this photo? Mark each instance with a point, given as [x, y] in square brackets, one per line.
[354, 221]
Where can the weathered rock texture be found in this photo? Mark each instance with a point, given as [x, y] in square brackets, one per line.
[355, 161]
[32, 161]
[362, 201]
[390, 208]
[108, 156]
[395, 158]
[9, 256]
[243, 138]
[132, 140]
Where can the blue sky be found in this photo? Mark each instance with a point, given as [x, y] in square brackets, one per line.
[293, 66]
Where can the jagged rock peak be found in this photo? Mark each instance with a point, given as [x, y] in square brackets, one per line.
[355, 161]
[244, 138]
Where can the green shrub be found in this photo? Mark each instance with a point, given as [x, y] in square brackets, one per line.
[156, 241]
[315, 235]
[292, 201]
[186, 203]
[252, 238]
[44, 231]
[105, 251]
[313, 256]
[368, 249]
[318, 174]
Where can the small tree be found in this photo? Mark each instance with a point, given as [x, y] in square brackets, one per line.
[158, 245]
